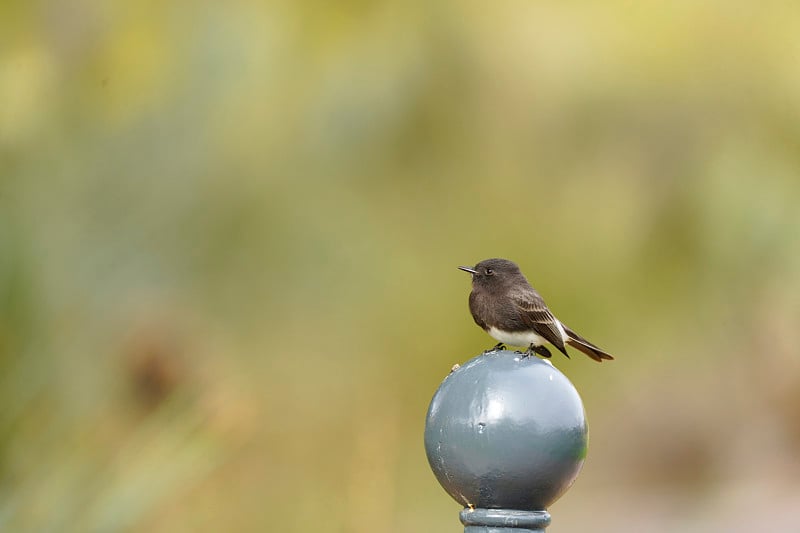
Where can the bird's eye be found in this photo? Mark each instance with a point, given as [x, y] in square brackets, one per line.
[489, 271]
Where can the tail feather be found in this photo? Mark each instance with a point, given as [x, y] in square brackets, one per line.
[579, 343]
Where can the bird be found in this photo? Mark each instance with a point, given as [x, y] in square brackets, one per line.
[510, 310]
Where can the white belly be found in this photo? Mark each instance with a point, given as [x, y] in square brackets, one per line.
[517, 338]
[524, 338]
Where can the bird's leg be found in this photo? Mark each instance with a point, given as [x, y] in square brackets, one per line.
[529, 352]
[541, 350]
[498, 346]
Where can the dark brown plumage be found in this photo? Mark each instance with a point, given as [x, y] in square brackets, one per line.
[506, 306]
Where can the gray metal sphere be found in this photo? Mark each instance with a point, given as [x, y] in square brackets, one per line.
[506, 432]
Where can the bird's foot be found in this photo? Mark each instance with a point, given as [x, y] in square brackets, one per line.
[527, 353]
[498, 346]
[541, 350]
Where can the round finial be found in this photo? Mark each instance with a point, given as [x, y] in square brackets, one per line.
[506, 436]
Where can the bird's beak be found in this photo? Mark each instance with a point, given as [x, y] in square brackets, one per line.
[468, 269]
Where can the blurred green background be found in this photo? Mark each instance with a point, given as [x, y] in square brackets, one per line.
[229, 235]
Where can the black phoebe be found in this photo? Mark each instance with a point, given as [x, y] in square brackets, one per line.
[504, 304]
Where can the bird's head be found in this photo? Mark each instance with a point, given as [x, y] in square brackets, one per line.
[494, 272]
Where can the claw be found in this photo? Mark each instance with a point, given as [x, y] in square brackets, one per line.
[498, 346]
[527, 353]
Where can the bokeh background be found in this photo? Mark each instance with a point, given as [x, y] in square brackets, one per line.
[229, 233]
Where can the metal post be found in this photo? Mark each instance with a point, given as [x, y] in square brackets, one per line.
[506, 436]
